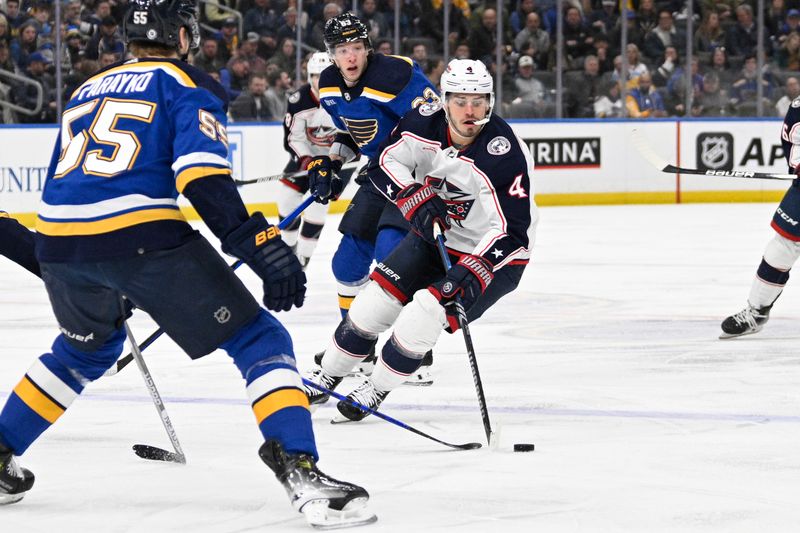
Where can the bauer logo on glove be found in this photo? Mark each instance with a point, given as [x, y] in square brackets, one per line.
[267, 234]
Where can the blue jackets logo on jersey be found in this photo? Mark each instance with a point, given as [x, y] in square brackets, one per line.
[457, 201]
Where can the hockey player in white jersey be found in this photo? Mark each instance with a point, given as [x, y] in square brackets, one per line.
[454, 165]
[308, 132]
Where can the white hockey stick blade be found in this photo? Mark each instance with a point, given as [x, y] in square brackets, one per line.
[354, 514]
[494, 437]
[153, 453]
[647, 152]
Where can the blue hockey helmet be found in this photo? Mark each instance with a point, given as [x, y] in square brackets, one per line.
[160, 21]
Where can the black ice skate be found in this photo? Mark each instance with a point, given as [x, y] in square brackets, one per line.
[14, 481]
[325, 502]
[319, 377]
[746, 322]
[422, 377]
[367, 395]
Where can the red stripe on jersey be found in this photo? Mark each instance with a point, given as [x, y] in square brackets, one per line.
[387, 285]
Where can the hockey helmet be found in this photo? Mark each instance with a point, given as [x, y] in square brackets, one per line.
[468, 76]
[318, 62]
[345, 28]
[160, 21]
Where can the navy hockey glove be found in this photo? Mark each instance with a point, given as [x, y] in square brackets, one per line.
[323, 178]
[468, 279]
[259, 244]
[423, 208]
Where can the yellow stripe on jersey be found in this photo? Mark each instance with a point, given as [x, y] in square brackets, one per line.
[37, 401]
[377, 95]
[280, 399]
[146, 65]
[329, 91]
[106, 225]
[190, 174]
[404, 58]
[346, 301]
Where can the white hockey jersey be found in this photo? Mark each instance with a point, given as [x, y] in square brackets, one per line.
[308, 129]
[487, 186]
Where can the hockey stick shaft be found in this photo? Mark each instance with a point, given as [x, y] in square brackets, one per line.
[647, 152]
[180, 457]
[125, 361]
[463, 323]
[285, 175]
[391, 420]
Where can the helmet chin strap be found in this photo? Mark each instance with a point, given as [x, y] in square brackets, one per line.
[482, 121]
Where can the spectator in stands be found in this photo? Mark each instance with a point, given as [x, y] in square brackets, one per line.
[577, 39]
[462, 51]
[609, 105]
[5, 30]
[289, 28]
[663, 35]
[420, 54]
[646, 16]
[384, 46]
[238, 75]
[206, 59]
[6, 63]
[791, 24]
[519, 17]
[667, 67]
[605, 19]
[71, 14]
[483, 37]
[744, 90]
[711, 101]
[374, 19]
[15, 17]
[252, 104]
[261, 19]
[102, 10]
[107, 39]
[602, 50]
[25, 44]
[710, 34]
[635, 66]
[107, 58]
[635, 34]
[285, 58]
[791, 93]
[279, 84]
[645, 102]
[316, 37]
[214, 13]
[436, 70]
[431, 22]
[528, 89]
[533, 36]
[743, 36]
[82, 70]
[788, 55]
[40, 12]
[775, 17]
[25, 94]
[676, 86]
[584, 89]
[74, 45]
[228, 39]
[248, 50]
[720, 65]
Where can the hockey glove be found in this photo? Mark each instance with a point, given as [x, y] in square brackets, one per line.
[468, 279]
[259, 244]
[323, 178]
[423, 208]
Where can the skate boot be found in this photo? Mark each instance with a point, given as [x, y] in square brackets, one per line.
[366, 394]
[325, 502]
[364, 368]
[14, 481]
[423, 377]
[746, 322]
[318, 376]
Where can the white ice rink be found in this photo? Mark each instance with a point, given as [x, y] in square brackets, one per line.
[606, 358]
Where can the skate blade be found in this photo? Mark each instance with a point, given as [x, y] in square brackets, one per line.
[341, 419]
[8, 499]
[724, 335]
[320, 516]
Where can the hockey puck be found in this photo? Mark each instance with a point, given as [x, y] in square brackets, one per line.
[522, 447]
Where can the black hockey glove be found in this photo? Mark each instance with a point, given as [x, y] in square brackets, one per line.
[323, 178]
[259, 244]
[468, 279]
[423, 208]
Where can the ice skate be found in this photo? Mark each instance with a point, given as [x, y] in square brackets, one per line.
[423, 376]
[746, 322]
[319, 377]
[14, 481]
[366, 394]
[326, 503]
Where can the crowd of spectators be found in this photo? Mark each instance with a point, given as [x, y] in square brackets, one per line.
[257, 65]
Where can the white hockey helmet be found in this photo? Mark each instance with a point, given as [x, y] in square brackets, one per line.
[317, 63]
[468, 76]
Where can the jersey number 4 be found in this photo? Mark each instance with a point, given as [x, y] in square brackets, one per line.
[103, 131]
[517, 189]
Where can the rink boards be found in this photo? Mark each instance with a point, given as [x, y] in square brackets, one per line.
[577, 162]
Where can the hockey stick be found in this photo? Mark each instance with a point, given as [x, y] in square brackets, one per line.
[125, 361]
[647, 152]
[467, 446]
[461, 314]
[143, 450]
[284, 175]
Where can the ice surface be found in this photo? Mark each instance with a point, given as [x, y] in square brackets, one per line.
[606, 358]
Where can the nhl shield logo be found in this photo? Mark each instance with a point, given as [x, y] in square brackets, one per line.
[715, 151]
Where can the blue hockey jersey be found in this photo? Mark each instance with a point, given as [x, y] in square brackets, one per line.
[368, 111]
[132, 137]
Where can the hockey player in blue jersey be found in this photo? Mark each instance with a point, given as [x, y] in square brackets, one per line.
[132, 138]
[366, 94]
[454, 165]
[782, 251]
[17, 243]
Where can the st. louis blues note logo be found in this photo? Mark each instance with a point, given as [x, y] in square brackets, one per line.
[362, 131]
[458, 202]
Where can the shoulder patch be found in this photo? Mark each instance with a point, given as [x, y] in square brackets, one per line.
[498, 146]
[429, 108]
[796, 102]
[294, 97]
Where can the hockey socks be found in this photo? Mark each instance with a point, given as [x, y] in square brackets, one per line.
[767, 286]
[396, 364]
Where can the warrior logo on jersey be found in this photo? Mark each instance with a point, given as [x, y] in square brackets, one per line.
[715, 151]
[458, 202]
[498, 146]
[362, 131]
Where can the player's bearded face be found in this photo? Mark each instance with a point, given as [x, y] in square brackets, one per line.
[351, 59]
[463, 110]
